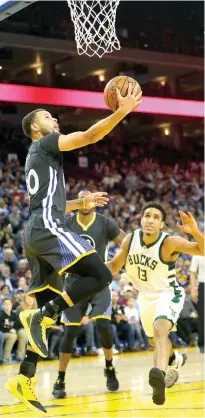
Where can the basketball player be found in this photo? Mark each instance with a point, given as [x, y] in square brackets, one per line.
[98, 231]
[51, 249]
[150, 255]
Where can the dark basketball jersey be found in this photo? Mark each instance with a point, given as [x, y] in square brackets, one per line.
[45, 178]
[98, 233]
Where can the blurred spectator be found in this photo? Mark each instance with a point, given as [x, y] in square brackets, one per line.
[6, 234]
[7, 277]
[3, 207]
[120, 327]
[22, 284]
[182, 272]
[82, 160]
[18, 297]
[28, 275]
[131, 180]
[187, 325]
[27, 302]
[8, 257]
[136, 333]
[125, 294]
[5, 291]
[22, 268]
[11, 327]
[115, 283]
[87, 329]
[14, 218]
[197, 273]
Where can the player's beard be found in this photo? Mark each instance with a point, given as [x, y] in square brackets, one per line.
[86, 212]
[46, 131]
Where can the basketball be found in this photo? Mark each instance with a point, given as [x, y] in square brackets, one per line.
[122, 83]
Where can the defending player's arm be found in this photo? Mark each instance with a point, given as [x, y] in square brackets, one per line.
[119, 260]
[176, 245]
[118, 240]
[99, 130]
[114, 233]
[92, 200]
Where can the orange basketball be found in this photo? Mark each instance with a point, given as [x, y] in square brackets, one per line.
[122, 83]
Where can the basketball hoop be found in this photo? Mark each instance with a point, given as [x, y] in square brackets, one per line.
[94, 23]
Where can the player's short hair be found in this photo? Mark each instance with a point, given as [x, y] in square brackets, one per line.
[155, 205]
[28, 120]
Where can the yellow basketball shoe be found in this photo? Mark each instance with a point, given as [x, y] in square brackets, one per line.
[35, 325]
[23, 389]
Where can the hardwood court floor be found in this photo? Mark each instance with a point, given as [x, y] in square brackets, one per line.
[88, 397]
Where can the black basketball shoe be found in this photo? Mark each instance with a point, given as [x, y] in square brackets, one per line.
[112, 382]
[157, 381]
[59, 389]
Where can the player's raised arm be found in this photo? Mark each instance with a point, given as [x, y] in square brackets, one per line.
[119, 260]
[92, 200]
[99, 130]
[182, 245]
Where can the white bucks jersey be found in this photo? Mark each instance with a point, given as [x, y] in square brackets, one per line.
[145, 267]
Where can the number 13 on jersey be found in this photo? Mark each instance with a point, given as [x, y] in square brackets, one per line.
[142, 274]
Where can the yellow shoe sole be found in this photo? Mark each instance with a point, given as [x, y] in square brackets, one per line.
[12, 389]
[23, 317]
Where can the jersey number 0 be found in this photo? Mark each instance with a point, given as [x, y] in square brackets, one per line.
[35, 180]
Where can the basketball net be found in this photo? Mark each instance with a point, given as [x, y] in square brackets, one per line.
[94, 23]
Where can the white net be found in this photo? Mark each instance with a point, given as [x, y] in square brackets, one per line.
[94, 23]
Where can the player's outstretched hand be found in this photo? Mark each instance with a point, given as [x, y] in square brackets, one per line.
[93, 200]
[130, 102]
[189, 225]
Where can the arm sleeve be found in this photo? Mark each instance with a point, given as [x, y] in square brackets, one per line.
[49, 143]
[68, 221]
[113, 229]
[194, 264]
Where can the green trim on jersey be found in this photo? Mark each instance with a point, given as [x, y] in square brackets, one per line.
[164, 317]
[149, 245]
[172, 267]
[168, 263]
[131, 239]
[177, 292]
[161, 317]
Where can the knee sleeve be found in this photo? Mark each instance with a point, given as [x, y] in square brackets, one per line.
[105, 276]
[105, 330]
[102, 274]
[70, 333]
[93, 266]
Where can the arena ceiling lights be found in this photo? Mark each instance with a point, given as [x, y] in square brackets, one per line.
[94, 100]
